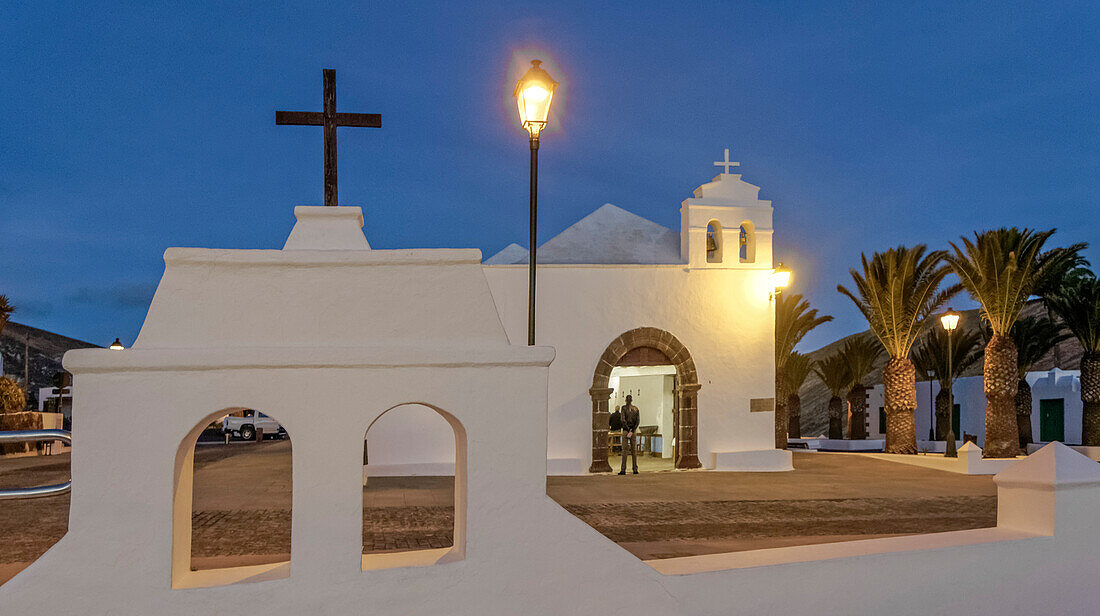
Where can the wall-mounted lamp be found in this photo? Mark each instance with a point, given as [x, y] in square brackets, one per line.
[781, 278]
[117, 345]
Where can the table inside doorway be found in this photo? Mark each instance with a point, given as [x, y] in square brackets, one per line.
[644, 442]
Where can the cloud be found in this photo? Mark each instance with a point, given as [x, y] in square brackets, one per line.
[127, 295]
[25, 309]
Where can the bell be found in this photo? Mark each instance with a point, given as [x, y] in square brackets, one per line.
[712, 245]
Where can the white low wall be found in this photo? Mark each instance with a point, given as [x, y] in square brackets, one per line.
[968, 462]
[836, 444]
[1089, 452]
[766, 460]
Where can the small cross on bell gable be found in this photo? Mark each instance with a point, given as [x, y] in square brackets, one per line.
[726, 163]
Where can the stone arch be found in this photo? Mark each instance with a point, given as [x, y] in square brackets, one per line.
[685, 394]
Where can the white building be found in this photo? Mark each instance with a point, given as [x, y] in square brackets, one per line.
[683, 321]
[1055, 404]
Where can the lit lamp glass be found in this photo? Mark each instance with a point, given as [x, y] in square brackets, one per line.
[781, 277]
[534, 92]
[117, 345]
[950, 320]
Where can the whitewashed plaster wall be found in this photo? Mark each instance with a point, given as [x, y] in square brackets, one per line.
[720, 311]
[416, 441]
[723, 316]
[970, 396]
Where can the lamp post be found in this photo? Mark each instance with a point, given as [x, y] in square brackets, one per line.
[931, 408]
[950, 321]
[534, 92]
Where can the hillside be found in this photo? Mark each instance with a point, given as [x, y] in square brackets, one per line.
[46, 349]
[815, 397]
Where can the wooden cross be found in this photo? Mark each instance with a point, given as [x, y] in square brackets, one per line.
[726, 162]
[330, 120]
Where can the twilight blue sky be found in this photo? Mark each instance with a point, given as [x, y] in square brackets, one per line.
[126, 129]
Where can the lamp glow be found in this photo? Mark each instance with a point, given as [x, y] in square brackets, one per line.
[117, 345]
[950, 320]
[534, 92]
[781, 277]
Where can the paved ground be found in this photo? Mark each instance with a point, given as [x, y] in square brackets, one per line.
[830, 497]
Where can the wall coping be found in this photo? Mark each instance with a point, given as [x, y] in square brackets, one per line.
[230, 257]
[437, 356]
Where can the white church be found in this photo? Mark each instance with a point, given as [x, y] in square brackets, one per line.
[682, 321]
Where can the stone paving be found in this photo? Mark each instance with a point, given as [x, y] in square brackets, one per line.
[829, 497]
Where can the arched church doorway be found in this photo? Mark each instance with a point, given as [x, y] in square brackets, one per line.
[647, 354]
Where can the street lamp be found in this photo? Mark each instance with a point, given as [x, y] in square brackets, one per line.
[950, 321]
[117, 345]
[534, 92]
[781, 278]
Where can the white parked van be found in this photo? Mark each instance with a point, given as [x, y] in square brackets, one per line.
[245, 427]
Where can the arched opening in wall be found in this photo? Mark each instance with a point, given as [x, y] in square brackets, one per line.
[653, 368]
[645, 381]
[414, 488]
[232, 503]
[747, 242]
[714, 242]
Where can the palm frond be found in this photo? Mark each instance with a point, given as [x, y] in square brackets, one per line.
[796, 369]
[930, 357]
[897, 290]
[793, 320]
[1077, 303]
[860, 353]
[1034, 338]
[833, 372]
[1002, 268]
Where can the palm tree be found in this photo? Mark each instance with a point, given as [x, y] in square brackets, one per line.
[930, 357]
[1034, 337]
[897, 290]
[1001, 269]
[5, 311]
[795, 369]
[793, 319]
[1077, 303]
[860, 353]
[833, 372]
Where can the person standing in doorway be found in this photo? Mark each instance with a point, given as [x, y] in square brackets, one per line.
[630, 419]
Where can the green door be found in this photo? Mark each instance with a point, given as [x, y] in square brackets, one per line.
[956, 421]
[1052, 420]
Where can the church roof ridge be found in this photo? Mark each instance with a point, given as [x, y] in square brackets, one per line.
[610, 234]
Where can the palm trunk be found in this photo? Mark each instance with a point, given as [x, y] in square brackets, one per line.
[794, 414]
[943, 421]
[782, 392]
[900, 380]
[1090, 399]
[1023, 413]
[836, 417]
[857, 401]
[1002, 439]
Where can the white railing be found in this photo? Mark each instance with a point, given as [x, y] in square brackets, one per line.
[36, 436]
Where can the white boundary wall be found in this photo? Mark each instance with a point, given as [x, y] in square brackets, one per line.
[970, 396]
